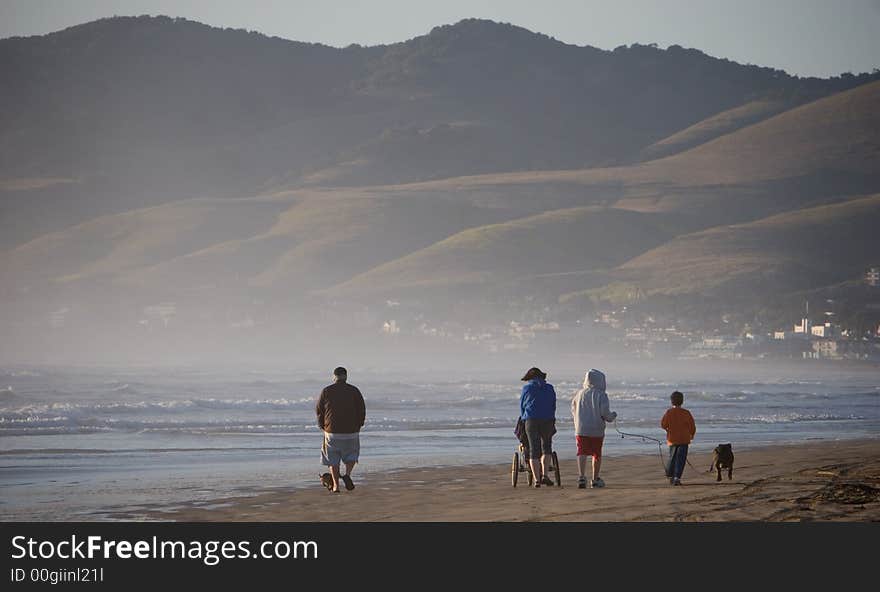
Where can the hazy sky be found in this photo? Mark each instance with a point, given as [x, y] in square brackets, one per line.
[805, 37]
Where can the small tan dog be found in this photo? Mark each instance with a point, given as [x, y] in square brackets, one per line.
[722, 458]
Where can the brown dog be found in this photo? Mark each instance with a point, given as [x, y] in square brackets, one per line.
[722, 458]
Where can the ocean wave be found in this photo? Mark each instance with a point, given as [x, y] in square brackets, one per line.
[20, 374]
[634, 397]
[124, 389]
[426, 423]
[781, 396]
[62, 425]
[174, 405]
[65, 425]
[658, 384]
[438, 403]
[259, 382]
[713, 419]
[797, 418]
[487, 387]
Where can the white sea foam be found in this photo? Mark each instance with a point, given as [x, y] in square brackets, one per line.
[197, 408]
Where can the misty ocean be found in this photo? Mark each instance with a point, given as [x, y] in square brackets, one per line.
[87, 444]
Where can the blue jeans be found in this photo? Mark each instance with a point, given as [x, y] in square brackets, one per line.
[678, 454]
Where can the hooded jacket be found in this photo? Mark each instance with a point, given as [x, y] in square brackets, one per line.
[590, 407]
[538, 400]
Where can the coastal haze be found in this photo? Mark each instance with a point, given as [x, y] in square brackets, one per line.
[197, 224]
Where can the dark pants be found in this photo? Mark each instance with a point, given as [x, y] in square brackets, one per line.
[540, 435]
[678, 454]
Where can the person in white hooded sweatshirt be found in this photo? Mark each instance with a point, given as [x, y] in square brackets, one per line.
[591, 410]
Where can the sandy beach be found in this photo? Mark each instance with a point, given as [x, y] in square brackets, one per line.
[824, 481]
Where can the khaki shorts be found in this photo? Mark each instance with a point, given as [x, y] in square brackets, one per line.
[340, 448]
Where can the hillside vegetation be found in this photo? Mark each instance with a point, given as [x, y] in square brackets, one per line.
[783, 253]
[156, 164]
[144, 110]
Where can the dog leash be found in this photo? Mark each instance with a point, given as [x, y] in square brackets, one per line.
[659, 446]
[644, 438]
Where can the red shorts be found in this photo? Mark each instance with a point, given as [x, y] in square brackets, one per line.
[589, 445]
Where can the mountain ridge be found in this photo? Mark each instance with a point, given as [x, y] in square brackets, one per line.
[144, 110]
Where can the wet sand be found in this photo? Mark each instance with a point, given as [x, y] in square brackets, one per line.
[823, 481]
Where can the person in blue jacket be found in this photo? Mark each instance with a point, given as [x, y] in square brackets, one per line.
[537, 406]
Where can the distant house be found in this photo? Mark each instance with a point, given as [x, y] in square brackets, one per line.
[826, 330]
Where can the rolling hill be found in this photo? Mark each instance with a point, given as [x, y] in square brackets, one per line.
[574, 241]
[789, 252]
[244, 182]
[716, 126]
[833, 144]
[480, 229]
[145, 110]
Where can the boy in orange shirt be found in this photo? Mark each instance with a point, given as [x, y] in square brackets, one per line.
[680, 429]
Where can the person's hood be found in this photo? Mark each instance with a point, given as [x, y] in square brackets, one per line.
[594, 379]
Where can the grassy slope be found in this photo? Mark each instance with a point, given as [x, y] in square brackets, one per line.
[713, 127]
[791, 251]
[799, 157]
[112, 244]
[319, 242]
[839, 133]
[561, 241]
[287, 242]
[329, 236]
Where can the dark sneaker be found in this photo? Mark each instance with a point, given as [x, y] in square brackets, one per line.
[597, 482]
[582, 483]
[349, 484]
[676, 481]
[545, 480]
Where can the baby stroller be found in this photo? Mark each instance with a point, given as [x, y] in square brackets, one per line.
[521, 458]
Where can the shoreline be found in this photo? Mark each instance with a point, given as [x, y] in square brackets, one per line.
[490, 362]
[822, 480]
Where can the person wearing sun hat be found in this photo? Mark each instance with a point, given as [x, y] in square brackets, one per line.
[537, 406]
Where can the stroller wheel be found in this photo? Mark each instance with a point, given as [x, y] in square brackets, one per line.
[514, 470]
[557, 471]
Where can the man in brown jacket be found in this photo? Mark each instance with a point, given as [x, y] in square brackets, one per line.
[341, 412]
